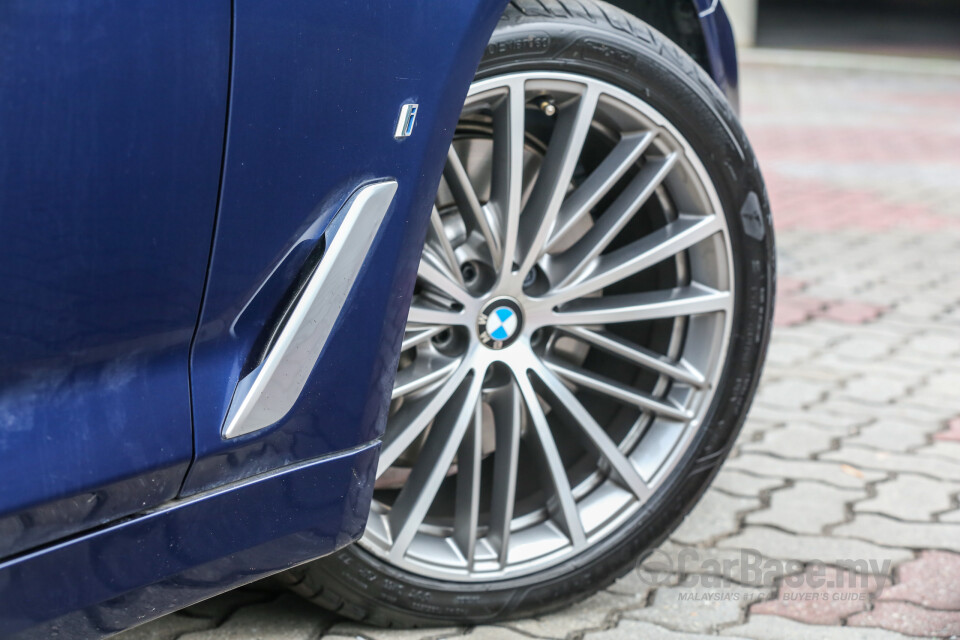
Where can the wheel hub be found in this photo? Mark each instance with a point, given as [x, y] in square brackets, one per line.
[500, 323]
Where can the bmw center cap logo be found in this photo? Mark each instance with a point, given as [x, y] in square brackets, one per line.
[499, 323]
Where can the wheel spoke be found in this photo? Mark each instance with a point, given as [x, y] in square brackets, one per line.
[540, 213]
[567, 403]
[681, 371]
[429, 273]
[432, 464]
[466, 198]
[413, 337]
[467, 508]
[565, 268]
[410, 421]
[507, 417]
[444, 249]
[641, 254]
[579, 203]
[506, 188]
[567, 516]
[651, 305]
[622, 393]
[421, 314]
[425, 371]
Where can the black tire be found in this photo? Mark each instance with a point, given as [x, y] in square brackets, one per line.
[596, 39]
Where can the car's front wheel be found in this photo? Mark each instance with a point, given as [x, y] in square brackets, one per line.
[589, 323]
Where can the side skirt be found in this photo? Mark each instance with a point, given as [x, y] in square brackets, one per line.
[189, 550]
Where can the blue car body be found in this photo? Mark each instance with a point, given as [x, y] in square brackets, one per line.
[166, 169]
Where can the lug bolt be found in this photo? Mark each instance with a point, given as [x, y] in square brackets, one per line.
[469, 272]
[443, 338]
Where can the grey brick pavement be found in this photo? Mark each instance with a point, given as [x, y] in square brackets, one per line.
[845, 457]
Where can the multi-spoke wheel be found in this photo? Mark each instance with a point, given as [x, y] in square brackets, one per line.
[587, 327]
[571, 317]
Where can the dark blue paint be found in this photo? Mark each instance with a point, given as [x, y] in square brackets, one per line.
[721, 48]
[316, 94]
[140, 569]
[111, 131]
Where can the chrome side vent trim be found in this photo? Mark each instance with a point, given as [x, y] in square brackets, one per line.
[267, 393]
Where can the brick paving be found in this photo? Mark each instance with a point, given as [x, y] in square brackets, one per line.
[837, 515]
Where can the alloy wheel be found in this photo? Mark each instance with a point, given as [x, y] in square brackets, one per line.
[568, 328]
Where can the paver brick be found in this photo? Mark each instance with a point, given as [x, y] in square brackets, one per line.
[886, 531]
[852, 312]
[827, 378]
[806, 507]
[951, 433]
[787, 285]
[918, 306]
[169, 627]
[716, 514]
[854, 554]
[225, 604]
[744, 484]
[635, 630]
[865, 412]
[840, 424]
[761, 627]
[593, 613]
[744, 566]
[930, 581]
[910, 619]
[638, 582]
[833, 366]
[910, 497]
[788, 353]
[800, 440]
[936, 344]
[788, 315]
[355, 631]
[821, 332]
[754, 428]
[869, 460]
[948, 450]
[789, 393]
[491, 632]
[890, 435]
[859, 348]
[875, 388]
[288, 618]
[694, 607]
[945, 384]
[821, 595]
[926, 397]
[839, 474]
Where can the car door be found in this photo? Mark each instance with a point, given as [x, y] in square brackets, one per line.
[111, 135]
